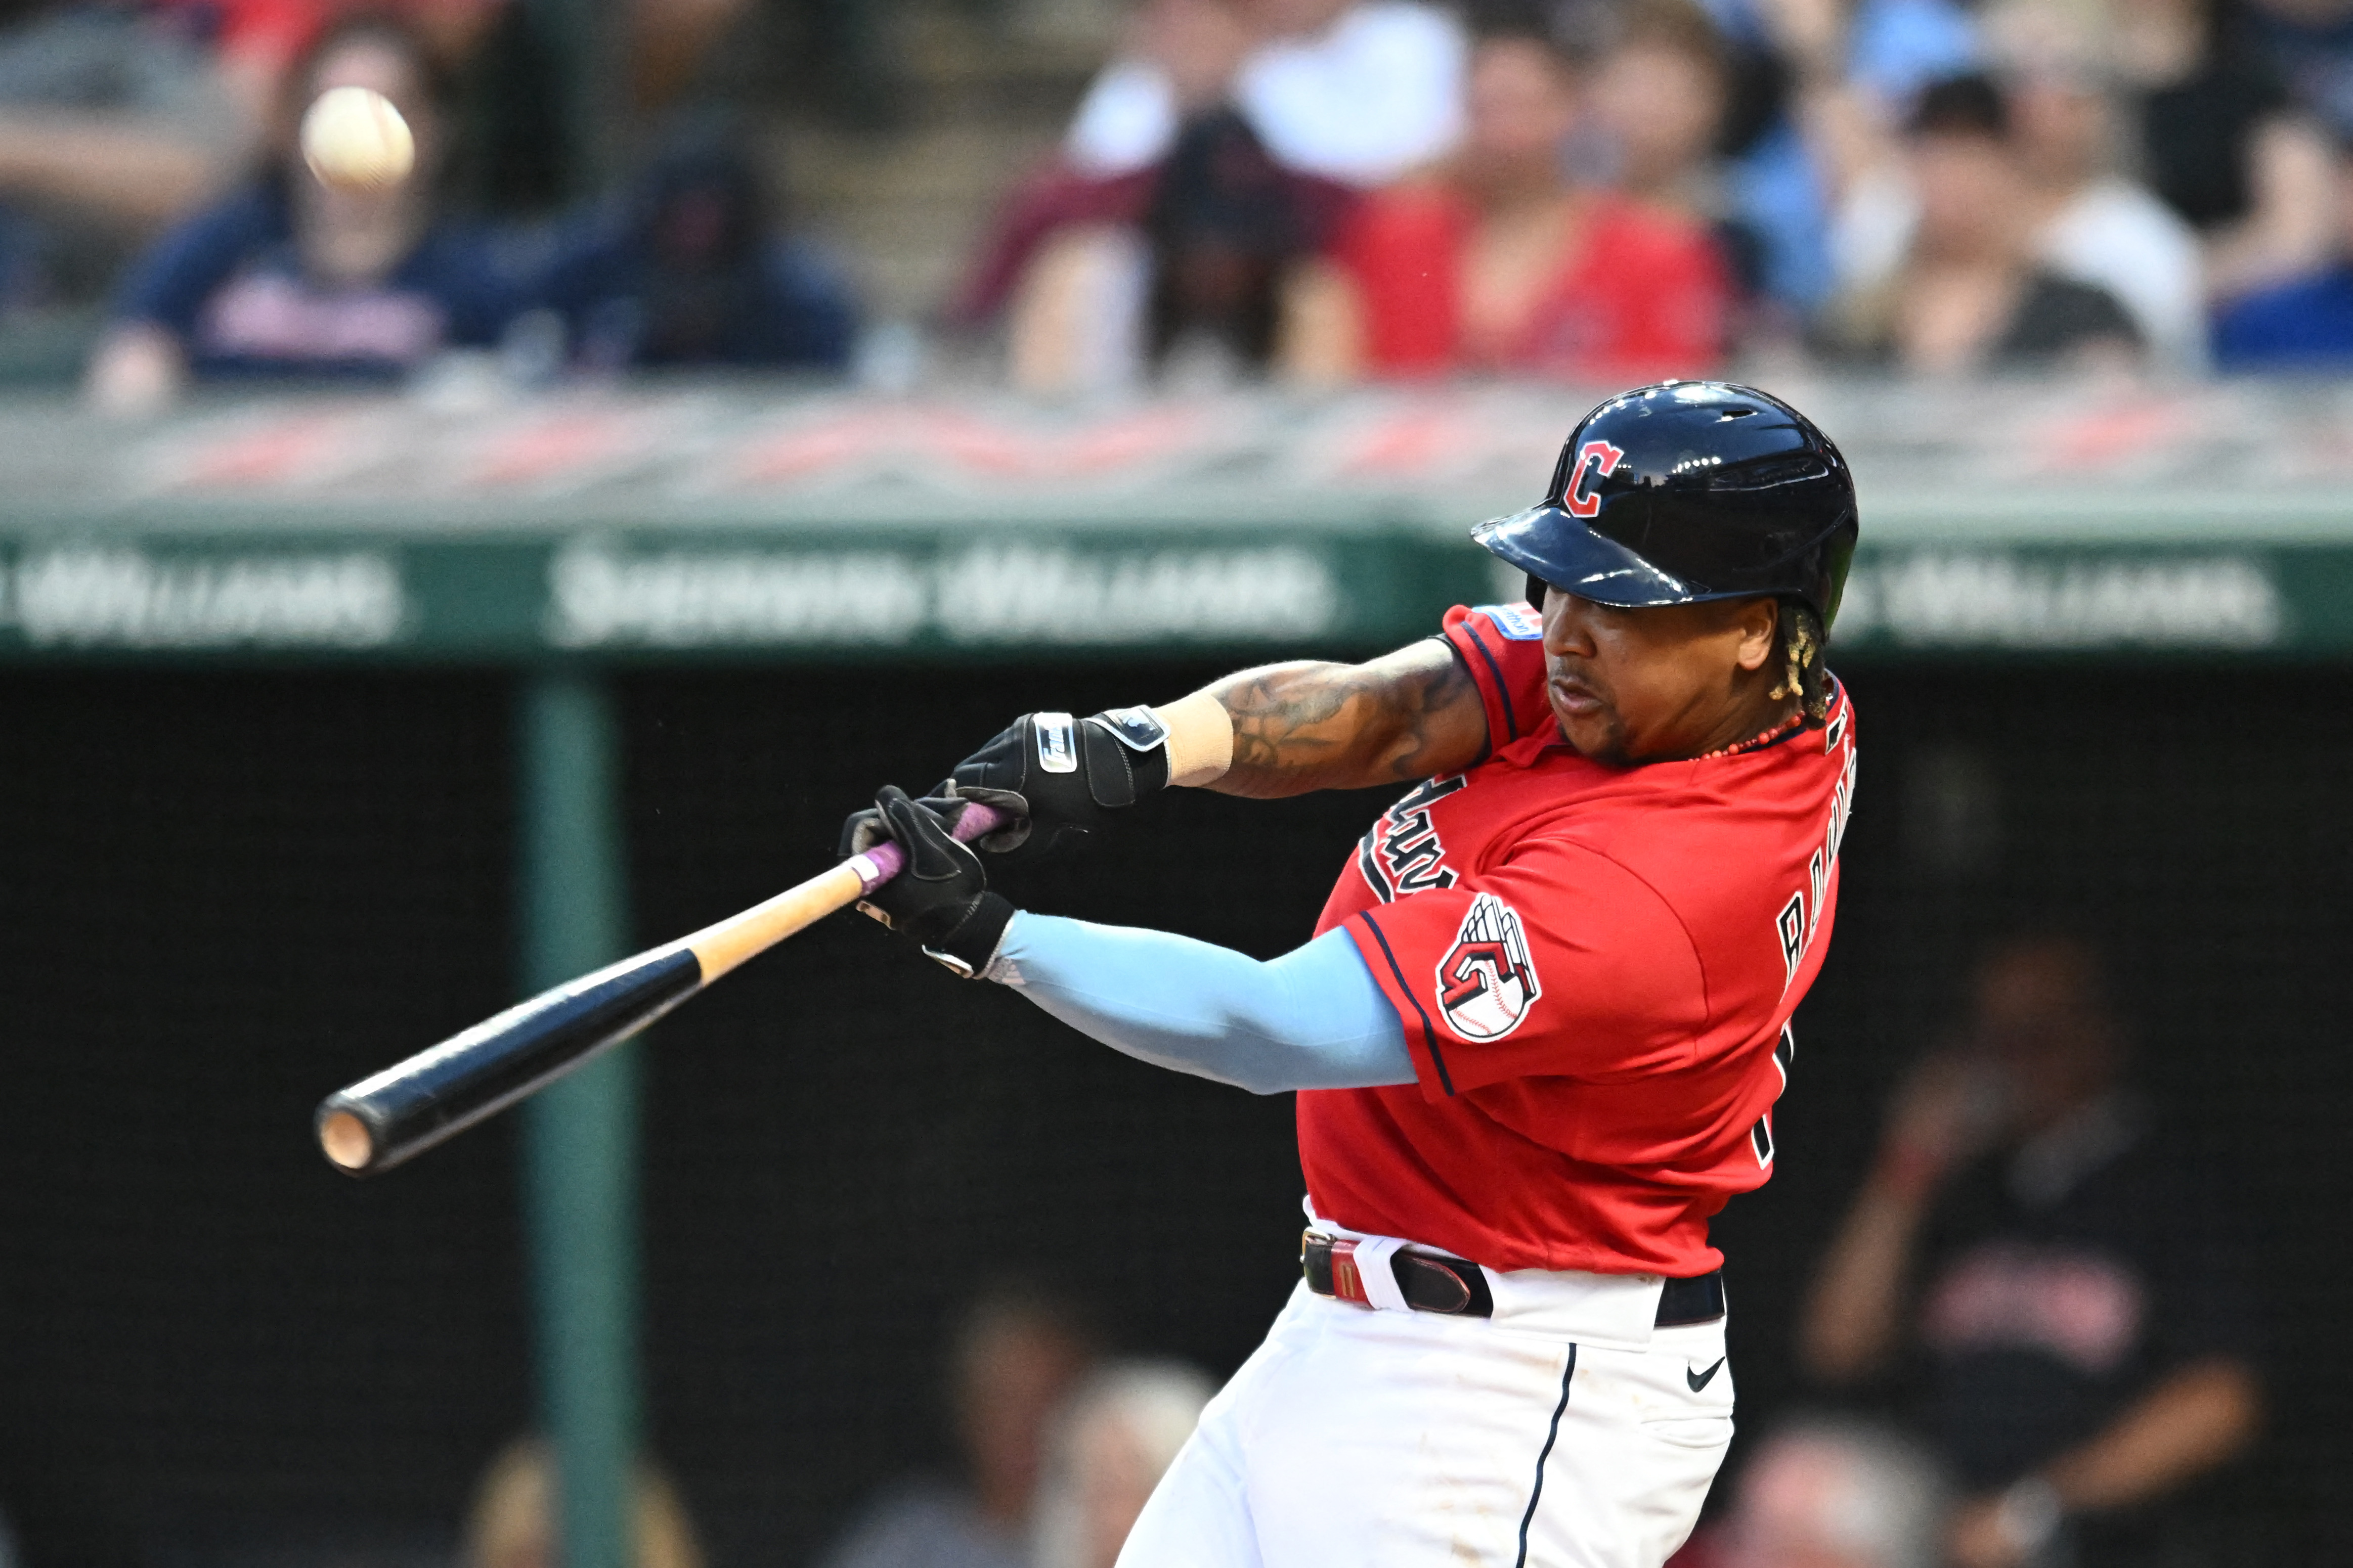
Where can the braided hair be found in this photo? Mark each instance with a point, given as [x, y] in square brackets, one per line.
[1804, 675]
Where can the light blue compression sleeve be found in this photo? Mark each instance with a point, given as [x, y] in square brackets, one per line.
[1310, 1019]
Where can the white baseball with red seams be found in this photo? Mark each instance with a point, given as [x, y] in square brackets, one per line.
[355, 140]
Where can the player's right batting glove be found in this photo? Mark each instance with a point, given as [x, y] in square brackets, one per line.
[942, 899]
[1059, 777]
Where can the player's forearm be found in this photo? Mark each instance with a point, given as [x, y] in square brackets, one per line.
[1407, 715]
[2196, 1419]
[1311, 1019]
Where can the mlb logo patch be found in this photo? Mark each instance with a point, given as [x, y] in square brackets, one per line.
[1486, 982]
[1520, 622]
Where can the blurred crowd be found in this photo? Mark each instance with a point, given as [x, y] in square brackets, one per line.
[2033, 1340]
[1058, 1446]
[1319, 192]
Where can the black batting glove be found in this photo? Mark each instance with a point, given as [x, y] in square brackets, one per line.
[941, 897]
[1059, 778]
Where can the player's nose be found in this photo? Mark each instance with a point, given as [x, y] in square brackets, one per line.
[1568, 625]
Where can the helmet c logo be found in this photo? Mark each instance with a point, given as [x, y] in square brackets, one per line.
[1598, 459]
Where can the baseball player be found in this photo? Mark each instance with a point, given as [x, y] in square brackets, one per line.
[1537, 1038]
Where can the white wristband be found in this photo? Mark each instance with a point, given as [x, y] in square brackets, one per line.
[1200, 740]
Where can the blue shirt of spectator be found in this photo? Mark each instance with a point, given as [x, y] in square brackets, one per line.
[790, 308]
[1894, 47]
[2305, 324]
[230, 285]
[685, 271]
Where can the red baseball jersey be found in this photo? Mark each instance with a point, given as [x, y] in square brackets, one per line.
[1595, 968]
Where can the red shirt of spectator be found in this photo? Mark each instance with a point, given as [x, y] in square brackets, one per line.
[1637, 294]
[1595, 969]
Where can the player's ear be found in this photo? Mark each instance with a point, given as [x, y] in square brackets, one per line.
[1759, 622]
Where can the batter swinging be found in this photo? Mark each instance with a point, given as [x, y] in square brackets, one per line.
[1539, 1033]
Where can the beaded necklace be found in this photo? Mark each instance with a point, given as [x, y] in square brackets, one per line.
[1754, 742]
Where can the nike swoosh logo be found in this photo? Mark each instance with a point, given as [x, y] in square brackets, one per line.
[1699, 1379]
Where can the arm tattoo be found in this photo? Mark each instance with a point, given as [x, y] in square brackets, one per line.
[1301, 727]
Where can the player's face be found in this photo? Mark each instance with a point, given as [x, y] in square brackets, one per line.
[1662, 682]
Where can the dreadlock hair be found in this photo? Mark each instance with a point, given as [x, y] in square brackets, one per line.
[1804, 676]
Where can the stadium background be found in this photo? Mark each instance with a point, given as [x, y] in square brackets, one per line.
[223, 890]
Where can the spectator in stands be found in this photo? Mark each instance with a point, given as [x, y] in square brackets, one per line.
[686, 269]
[1112, 1441]
[1819, 82]
[1500, 263]
[1970, 295]
[1225, 228]
[1823, 1493]
[2090, 223]
[2305, 324]
[2310, 44]
[115, 119]
[2065, 1285]
[1660, 98]
[1194, 47]
[512, 1523]
[1194, 293]
[290, 278]
[2223, 144]
[1354, 90]
[1018, 1355]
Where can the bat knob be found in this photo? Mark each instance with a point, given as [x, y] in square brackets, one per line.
[346, 1139]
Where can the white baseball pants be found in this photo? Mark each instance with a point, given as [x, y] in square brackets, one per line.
[1362, 1438]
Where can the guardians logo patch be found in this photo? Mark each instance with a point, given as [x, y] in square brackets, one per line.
[1486, 982]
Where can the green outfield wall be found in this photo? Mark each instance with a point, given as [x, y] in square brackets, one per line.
[741, 524]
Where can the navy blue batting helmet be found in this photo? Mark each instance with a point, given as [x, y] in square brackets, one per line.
[1689, 491]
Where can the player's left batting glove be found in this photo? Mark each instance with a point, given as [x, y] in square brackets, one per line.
[1059, 777]
[942, 899]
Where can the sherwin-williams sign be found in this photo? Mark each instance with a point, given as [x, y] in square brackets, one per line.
[614, 594]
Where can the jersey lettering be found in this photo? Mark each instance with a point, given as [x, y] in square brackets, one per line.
[1760, 1137]
[1401, 853]
[1791, 923]
[1794, 926]
[1486, 982]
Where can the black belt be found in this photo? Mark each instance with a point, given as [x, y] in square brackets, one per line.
[1459, 1288]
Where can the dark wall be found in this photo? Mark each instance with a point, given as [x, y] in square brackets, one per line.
[221, 895]
[218, 897]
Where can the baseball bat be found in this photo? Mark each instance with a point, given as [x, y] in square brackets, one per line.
[396, 1114]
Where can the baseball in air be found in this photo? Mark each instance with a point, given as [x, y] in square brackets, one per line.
[355, 140]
